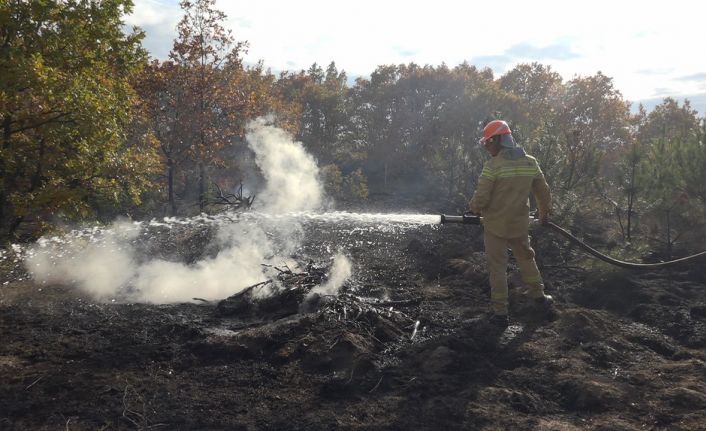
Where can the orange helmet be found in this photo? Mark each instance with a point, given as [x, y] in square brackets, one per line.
[495, 127]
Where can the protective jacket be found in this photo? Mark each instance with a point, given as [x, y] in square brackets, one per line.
[502, 194]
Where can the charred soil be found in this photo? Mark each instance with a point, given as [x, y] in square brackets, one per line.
[404, 346]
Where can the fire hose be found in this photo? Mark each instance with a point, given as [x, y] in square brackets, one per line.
[478, 220]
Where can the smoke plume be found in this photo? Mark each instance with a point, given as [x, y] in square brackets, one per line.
[98, 268]
[291, 174]
[109, 267]
[340, 272]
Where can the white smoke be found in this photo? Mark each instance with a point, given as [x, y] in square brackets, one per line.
[291, 173]
[235, 267]
[98, 268]
[341, 270]
[108, 269]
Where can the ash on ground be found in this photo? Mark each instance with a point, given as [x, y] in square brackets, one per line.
[402, 345]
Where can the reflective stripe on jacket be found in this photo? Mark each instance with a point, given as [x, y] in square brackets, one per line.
[502, 195]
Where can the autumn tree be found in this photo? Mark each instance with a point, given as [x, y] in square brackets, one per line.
[389, 121]
[66, 105]
[416, 125]
[324, 117]
[372, 120]
[163, 99]
[200, 101]
[539, 96]
[261, 96]
[455, 111]
[209, 71]
[289, 89]
[593, 122]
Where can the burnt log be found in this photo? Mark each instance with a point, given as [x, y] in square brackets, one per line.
[285, 296]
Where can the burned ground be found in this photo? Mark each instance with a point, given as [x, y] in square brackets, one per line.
[403, 346]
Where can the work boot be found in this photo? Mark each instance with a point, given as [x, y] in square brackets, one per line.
[545, 305]
[544, 300]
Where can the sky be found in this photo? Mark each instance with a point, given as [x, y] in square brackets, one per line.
[651, 50]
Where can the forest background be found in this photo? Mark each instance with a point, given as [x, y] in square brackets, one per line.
[93, 129]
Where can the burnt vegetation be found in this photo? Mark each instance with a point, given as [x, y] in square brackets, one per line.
[402, 345]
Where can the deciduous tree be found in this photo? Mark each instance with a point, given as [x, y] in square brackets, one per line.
[210, 68]
[66, 106]
[324, 118]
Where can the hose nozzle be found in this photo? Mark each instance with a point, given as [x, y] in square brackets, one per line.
[464, 219]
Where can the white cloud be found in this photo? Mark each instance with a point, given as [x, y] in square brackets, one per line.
[153, 12]
[158, 18]
[621, 39]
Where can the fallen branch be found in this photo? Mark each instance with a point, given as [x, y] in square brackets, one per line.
[401, 303]
[34, 382]
[126, 409]
[234, 200]
[376, 385]
[249, 288]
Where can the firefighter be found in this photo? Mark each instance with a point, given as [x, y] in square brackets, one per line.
[502, 198]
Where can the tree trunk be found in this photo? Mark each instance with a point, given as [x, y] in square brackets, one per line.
[4, 183]
[384, 180]
[202, 186]
[13, 227]
[37, 177]
[170, 185]
[631, 200]
[669, 234]
[618, 215]
[630, 213]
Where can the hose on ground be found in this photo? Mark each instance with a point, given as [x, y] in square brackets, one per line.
[629, 265]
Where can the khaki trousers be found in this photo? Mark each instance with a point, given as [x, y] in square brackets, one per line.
[496, 254]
